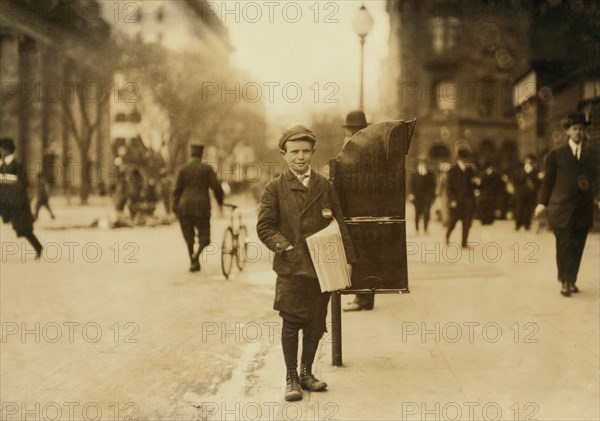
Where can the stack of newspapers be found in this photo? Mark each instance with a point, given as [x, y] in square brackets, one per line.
[329, 258]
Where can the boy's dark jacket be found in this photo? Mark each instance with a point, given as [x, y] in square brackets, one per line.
[290, 212]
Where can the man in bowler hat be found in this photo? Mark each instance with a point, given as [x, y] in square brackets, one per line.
[567, 196]
[356, 121]
[191, 202]
[14, 200]
[293, 206]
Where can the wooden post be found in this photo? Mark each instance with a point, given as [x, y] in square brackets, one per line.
[336, 328]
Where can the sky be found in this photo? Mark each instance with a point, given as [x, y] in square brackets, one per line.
[303, 57]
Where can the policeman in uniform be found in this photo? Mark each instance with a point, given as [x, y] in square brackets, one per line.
[191, 202]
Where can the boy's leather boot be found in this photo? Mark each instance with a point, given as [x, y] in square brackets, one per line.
[310, 382]
[292, 386]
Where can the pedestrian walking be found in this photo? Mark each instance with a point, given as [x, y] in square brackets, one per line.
[567, 196]
[422, 194]
[135, 183]
[355, 122]
[121, 192]
[526, 184]
[165, 189]
[14, 200]
[191, 203]
[442, 208]
[491, 192]
[461, 185]
[294, 206]
[42, 198]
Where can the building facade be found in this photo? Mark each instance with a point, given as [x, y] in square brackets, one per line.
[56, 85]
[456, 64]
[563, 74]
[178, 28]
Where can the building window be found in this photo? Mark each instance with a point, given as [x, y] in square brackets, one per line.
[591, 89]
[160, 14]
[135, 116]
[439, 152]
[490, 94]
[447, 94]
[444, 33]
[120, 117]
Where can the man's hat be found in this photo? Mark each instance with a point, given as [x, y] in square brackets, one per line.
[196, 148]
[575, 118]
[8, 144]
[297, 133]
[356, 119]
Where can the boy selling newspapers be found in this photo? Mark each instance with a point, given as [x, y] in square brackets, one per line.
[294, 206]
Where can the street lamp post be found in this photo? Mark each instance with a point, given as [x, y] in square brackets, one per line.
[362, 25]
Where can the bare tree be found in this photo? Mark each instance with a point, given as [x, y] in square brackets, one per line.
[87, 91]
[184, 84]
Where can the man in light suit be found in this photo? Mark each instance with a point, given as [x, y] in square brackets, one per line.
[294, 206]
[191, 202]
[567, 196]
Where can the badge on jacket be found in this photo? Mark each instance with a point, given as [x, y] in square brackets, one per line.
[583, 182]
[327, 213]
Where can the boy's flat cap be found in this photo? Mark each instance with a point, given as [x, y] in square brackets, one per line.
[296, 133]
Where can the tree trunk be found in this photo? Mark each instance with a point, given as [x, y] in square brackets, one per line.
[84, 145]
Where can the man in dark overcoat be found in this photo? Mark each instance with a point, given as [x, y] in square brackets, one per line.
[294, 206]
[191, 202]
[491, 192]
[567, 195]
[422, 193]
[14, 200]
[461, 185]
[527, 184]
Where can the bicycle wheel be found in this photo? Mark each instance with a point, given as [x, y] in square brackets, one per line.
[227, 252]
[242, 248]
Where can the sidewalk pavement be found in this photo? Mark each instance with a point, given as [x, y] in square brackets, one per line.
[473, 340]
[483, 334]
[70, 214]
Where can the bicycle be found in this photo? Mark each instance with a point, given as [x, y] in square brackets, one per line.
[235, 233]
